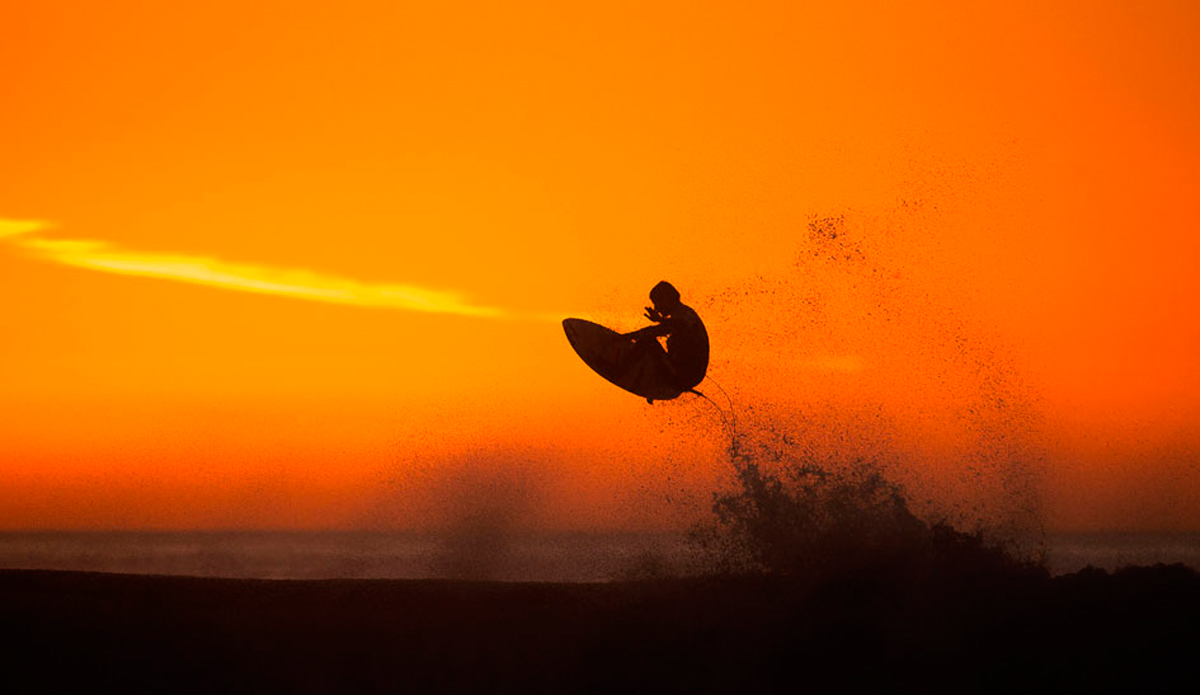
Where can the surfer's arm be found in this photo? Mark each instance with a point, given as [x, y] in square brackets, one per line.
[650, 331]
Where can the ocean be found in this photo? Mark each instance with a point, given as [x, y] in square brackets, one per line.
[553, 557]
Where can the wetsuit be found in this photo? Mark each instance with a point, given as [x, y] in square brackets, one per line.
[686, 357]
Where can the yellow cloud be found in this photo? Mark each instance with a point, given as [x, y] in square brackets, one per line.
[214, 272]
[15, 227]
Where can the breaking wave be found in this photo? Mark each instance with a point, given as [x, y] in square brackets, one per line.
[790, 514]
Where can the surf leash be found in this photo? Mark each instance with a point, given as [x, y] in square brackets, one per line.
[730, 423]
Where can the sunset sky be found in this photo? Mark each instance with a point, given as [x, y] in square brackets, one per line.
[302, 264]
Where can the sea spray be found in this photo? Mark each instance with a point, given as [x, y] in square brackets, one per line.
[879, 418]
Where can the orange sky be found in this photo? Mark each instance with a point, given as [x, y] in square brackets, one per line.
[301, 266]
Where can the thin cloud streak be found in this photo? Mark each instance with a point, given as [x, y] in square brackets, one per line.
[15, 227]
[214, 272]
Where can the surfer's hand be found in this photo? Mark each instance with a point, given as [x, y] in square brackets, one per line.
[654, 315]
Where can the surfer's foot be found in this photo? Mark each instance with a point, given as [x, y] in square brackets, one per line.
[650, 401]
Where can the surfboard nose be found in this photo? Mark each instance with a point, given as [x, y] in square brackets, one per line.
[571, 328]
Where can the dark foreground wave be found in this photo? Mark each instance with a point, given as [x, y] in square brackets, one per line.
[1133, 630]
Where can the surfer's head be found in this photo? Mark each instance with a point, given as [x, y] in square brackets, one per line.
[665, 297]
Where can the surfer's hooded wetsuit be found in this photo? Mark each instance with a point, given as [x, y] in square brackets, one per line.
[685, 360]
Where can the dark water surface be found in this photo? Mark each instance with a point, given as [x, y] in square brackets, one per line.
[564, 557]
[567, 557]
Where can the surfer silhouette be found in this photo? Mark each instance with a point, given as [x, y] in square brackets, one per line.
[684, 362]
[637, 361]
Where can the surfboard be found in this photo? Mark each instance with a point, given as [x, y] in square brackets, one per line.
[611, 355]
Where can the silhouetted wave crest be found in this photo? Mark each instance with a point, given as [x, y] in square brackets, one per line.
[794, 515]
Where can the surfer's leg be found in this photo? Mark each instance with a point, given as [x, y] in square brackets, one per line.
[647, 354]
[665, 370]
[670, 373]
